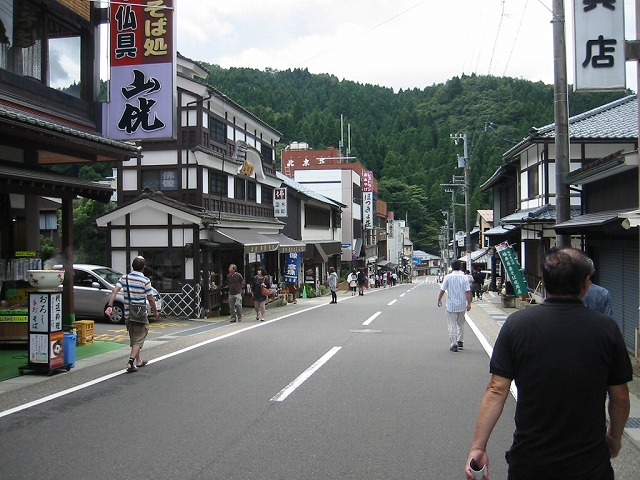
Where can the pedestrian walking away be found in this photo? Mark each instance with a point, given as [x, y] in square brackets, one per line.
[458, 290]
[259, 299]
[361, 279]
[598, 297]
[333, 285]
[235, 282]
[566, 360]
[137, 291]
[478, 282]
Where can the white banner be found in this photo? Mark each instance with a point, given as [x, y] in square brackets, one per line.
[599, 45]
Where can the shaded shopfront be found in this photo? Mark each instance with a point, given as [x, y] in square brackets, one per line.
[29, 142]
[318, 256]
[189, 250]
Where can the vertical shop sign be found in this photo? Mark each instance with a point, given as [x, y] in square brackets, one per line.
[46, 338]
[292, 267]
[599, 45]
[367, 199]
[512, 267]
[143, 70]
[280, 202]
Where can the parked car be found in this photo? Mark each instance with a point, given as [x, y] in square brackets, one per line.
[92, 287]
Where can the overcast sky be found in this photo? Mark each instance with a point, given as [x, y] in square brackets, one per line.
[394, 43]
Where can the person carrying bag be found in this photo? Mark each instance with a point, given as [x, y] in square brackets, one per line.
[261, 290]
[139, 291]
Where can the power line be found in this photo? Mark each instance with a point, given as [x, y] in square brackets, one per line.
[363, 33]
[495, 43]
[515, 39]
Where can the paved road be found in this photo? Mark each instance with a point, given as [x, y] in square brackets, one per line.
[365, 389]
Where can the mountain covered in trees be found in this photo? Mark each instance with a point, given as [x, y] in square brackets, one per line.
[404, 136]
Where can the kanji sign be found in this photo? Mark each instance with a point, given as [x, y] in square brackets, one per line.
[599, 45]
[292, 267]
[142, 84]
[280, 202]
[511, 265]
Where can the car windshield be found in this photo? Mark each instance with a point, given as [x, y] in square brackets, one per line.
[108, 274]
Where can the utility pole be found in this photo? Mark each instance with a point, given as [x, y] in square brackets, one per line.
[561, 114]
[453, 212]
[456, 137]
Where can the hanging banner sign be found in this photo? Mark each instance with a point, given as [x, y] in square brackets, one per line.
[142, 87]
[292, 267]
[512, 267]
[599, 45]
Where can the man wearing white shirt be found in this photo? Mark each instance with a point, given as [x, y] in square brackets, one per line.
[458, 302]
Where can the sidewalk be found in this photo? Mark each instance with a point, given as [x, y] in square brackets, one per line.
[489, 315]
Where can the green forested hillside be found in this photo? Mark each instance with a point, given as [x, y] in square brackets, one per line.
[403, 137]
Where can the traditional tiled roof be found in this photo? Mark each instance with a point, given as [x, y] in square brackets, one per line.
[39, 122]
[289, 182]
[616, 121]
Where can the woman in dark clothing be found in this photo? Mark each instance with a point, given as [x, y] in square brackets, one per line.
[259, 299]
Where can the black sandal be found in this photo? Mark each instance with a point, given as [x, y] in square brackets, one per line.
[131, 368]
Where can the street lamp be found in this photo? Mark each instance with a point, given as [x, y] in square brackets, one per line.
[456, 137]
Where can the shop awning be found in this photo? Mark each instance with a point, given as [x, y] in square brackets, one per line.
[475, 256]
[286, 244]
[33, 180]
[607, 222]
[321, 250]
[253, 242]
[501, 230]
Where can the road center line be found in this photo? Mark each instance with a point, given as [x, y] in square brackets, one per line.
[289, 389]
[371, 318]
[392, 302]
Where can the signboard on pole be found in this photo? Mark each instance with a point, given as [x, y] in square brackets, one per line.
[599, 45]
[512, 267]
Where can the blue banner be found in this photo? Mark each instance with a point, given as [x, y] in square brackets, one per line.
[292, 267]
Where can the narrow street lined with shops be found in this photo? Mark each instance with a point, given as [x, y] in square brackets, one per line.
[366, 388]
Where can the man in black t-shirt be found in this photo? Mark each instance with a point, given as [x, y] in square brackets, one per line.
[565, 359]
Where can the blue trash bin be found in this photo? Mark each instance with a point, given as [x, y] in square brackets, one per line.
[70, 349]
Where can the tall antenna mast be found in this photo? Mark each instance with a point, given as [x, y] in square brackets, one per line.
[349, 139]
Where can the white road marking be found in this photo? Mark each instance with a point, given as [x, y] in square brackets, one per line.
[289, 389]
[487, 348]
[82, 386]
[371, 318]
[392, 302]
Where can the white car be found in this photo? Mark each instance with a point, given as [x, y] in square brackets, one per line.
[92, 287]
